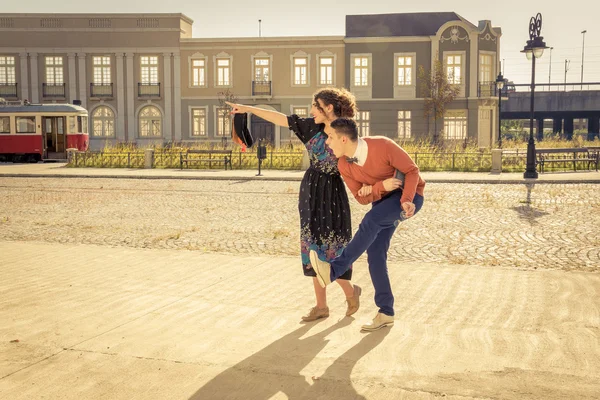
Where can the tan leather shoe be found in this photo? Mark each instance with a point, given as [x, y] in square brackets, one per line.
[354, 301]
[380, 321]
[316, 313]
[322, 268]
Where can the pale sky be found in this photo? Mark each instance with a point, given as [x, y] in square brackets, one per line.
[563, 22]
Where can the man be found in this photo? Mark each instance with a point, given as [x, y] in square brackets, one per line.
[369, 166]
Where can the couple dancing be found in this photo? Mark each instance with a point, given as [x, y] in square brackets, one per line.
[369, 167]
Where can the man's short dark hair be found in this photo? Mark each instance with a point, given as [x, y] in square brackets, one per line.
[346, 127]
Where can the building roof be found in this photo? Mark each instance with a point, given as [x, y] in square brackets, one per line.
[406, 24]
[41, 108]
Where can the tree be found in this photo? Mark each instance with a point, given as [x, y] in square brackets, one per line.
[437, 91]
[226, 95]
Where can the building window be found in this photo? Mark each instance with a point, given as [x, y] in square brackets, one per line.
[223, 121]
[7, 71]
[362, 121]
[361, 71]
[300, 71]
[223, 71]
[102, 70]
[404, 125]
[404, 65]
[150, 122]
[4, 124]
[485, 68]
[25, 124]
[149, 69]
[455, 125]
[103, 122]
[325, 70]
[198, 122]
[454, 69]
[199, 72]
[302, 112]
[54, 70]
[262, 69]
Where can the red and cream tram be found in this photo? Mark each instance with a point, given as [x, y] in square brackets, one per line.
[35, 132]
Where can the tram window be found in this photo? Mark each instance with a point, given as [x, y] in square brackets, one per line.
[25, 124]
[82, 125]
[4, 124]
[72, 124]
[60, 126]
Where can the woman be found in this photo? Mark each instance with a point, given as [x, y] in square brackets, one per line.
[325, 224]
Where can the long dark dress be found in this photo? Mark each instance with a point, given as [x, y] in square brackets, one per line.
[325, 224]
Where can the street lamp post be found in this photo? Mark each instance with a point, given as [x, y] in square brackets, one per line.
[533, 49]
[499, 86]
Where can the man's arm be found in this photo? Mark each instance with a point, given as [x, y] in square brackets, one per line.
[353, 184]
[399, 159]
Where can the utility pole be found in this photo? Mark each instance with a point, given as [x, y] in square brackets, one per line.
[582, 53]
[567, 63]
[550, 69]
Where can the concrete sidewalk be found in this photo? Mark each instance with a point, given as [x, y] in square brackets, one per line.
[58, 170]
[90, 322]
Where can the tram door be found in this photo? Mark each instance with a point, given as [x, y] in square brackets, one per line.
[53, 131]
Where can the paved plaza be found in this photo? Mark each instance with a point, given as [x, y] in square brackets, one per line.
[192, 289]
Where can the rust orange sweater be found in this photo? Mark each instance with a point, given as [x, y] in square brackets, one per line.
[384, 157]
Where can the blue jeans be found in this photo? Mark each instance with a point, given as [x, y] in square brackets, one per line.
[373, 236]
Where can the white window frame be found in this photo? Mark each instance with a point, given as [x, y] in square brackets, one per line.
[222, 56]
[197, 57]
[191, 113]
[139, 118]
[216, 120]
[454, 120]
[298, 56]
[405, 91]
[293, 109]
[268, 66]
[8, 70]
[493, 74]
[104, 119]
[326, 54]
[104, 70]
[363, 124]
[55, 68]
[405, 124]
[363, 91]
[152, 70]
[463, 77]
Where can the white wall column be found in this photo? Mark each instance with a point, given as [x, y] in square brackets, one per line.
[82, 79]
[120, 94]
[167, 127]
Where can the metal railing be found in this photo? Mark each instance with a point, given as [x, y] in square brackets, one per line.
[148, 89]
[100, 159]
[101, 90]
[8, 90]
[552, 87]
[261, 88]
[53, 89]
[489, 89]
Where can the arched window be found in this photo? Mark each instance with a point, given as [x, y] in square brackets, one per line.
[150, 122]
[103, 122]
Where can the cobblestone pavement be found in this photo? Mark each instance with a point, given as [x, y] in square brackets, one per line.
[552, 226]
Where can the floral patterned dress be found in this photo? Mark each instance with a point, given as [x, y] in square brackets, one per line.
[325, 223]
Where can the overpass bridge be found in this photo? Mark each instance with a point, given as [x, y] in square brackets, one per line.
[557, 102]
